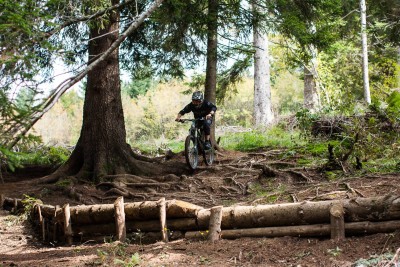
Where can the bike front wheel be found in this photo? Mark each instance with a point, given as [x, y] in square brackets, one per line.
[191, 154]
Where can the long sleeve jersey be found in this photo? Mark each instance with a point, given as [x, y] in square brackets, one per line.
[205, 108]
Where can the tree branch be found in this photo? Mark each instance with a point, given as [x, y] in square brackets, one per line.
[86, 18]
[68, 83]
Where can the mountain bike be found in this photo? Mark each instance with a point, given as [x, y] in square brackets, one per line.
[195, 144]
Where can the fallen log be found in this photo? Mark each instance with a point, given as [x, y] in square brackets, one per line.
[303, 213]
[316, 230]
[184, 224]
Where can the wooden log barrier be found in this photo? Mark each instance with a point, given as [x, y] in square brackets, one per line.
[120, 219]
[371, 213]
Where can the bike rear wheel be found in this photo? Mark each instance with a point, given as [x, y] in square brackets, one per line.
[208, 156]
[191, 153]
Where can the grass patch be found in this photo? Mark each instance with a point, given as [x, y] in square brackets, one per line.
[249, 141]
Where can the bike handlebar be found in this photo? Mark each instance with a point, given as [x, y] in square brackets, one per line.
[191, 120]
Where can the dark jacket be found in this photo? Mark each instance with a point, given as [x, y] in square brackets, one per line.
[205, 108]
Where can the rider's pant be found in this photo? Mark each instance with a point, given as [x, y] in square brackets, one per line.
[207, 126]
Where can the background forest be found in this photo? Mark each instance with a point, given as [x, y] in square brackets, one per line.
[308, 96]
[316, 68]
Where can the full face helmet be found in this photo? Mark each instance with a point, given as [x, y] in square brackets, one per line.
[197, 98]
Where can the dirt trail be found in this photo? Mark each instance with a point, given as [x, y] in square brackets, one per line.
[233, 179]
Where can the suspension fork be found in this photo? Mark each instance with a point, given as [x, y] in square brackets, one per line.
[193, 133]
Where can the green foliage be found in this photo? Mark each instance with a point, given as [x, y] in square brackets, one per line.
[70, 101]
[34, 156]
[341, 76]
[393, 108]
[46, 156]
[334, 251]
[133, 261]
[150, 125]
[253, 140]
[376, 260]
[29, 203]
[137, 87]
[305, 119]
[369, 139]
[239, 116]
[12, 159]
[307, 23]
[229, 79]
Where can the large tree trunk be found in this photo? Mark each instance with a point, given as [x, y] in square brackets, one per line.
[102, 148]
[212, 45]
[263, 115]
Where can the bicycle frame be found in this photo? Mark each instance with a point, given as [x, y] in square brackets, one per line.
[196, 132]
[194, 145]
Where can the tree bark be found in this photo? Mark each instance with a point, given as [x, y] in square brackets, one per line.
[363, 9]
[212, 54]
[337, 222]
[214, 233]
[263, 115]
[163, 219]
[119, 215]
[67, 224]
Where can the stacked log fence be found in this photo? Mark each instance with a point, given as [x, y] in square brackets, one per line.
[179, 219]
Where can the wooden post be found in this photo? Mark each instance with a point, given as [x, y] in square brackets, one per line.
[67, 224]
[163, 219]
[41, 222]
[2, 198]
[119, 212]
[215, 223]
[55, 237]
[337, 222]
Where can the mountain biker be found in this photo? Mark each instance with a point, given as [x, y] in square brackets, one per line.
[200, 109]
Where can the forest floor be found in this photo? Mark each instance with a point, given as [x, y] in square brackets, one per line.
[235, 178]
